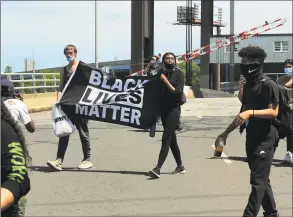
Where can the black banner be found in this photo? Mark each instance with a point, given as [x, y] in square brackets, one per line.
[131, 101]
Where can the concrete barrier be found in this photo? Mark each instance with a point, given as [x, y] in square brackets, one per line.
[208, 93]
[39, 102]
[44, 101]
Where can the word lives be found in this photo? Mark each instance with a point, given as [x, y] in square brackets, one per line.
[113, 100]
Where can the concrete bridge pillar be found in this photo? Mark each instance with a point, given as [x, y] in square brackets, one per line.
[142, 32]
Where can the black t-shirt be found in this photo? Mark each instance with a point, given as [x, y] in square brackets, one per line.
[170, 100]
[64, 77]
[258, 97]
[14, 176]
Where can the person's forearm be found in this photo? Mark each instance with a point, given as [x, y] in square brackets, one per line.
[289, 83]
[231, 127]
[7, 198]
[58, 95]
[169, 85]
[265, 113]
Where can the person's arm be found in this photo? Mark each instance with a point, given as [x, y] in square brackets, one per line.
[271, 95]
[7, 198]
[16, 183]
[240, 93]
[178, 90]
[289, 83]
[26, 119]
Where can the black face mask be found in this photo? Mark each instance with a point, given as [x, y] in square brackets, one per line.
[251, 72]
[169, 66]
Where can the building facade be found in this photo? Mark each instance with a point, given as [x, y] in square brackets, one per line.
[277, 46]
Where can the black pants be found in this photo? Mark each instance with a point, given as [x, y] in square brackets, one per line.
[82, 127]
[260, 156]
[170, 122]
[290, 143]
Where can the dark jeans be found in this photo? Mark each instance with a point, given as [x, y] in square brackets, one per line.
[170, 122]
[260, 156]
[82, 127]
[290, 143]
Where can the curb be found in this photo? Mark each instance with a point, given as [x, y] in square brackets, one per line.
[40, 109]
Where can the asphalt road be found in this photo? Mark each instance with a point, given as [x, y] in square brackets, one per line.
[118, 183]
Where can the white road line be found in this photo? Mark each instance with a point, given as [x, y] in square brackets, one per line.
[224, 157]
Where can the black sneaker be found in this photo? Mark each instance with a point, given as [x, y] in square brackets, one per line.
[155, 173]
[179, 127]
[178, 170]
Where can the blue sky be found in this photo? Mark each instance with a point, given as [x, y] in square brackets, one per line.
[46, 27]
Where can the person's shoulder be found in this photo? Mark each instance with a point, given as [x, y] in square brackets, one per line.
[21, 104]
[11, 102]
[270, 83]
[17, 103]
[179, 71]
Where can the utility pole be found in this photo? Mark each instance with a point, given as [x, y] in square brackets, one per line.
[33, 60]
[189, 18]
[96, 34]
[232, 45]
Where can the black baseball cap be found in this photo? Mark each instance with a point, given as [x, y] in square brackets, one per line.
[7, 83]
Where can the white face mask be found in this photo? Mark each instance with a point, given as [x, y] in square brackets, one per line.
[70, 59]
[288, 71]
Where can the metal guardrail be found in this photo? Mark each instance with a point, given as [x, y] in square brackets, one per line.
[38, 82]
[234, 86]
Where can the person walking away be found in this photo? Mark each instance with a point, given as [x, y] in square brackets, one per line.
[260, 107]
[80, 122]
[15, 182]
[173, 80]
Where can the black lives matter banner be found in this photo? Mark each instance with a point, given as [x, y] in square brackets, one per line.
[93, 94]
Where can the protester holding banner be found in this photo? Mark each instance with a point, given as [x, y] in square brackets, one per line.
[80, 122]
[173, 79]
[288, 67]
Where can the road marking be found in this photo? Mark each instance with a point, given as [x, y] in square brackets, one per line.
[224, 157]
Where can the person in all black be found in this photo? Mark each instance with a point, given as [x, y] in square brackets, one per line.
[81, 123]
[15, 158]
[260, 107]
[173, 79]
[288, 69]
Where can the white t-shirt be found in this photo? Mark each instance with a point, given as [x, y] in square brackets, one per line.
[18, 110]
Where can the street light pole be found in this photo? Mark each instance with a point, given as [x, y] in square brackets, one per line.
[96, 34]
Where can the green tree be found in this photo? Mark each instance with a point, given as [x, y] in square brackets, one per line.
[195, 72]
[8, 69]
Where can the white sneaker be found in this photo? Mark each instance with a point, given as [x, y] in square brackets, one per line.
[86, 164]
[56, 164]
[288, 158]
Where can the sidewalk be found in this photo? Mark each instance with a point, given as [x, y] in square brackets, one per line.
[197, 107]
[40, 103]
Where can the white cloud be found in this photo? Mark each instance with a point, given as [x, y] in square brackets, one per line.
[49, 26]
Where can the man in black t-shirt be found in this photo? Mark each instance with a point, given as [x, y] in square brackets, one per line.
[260, 106]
